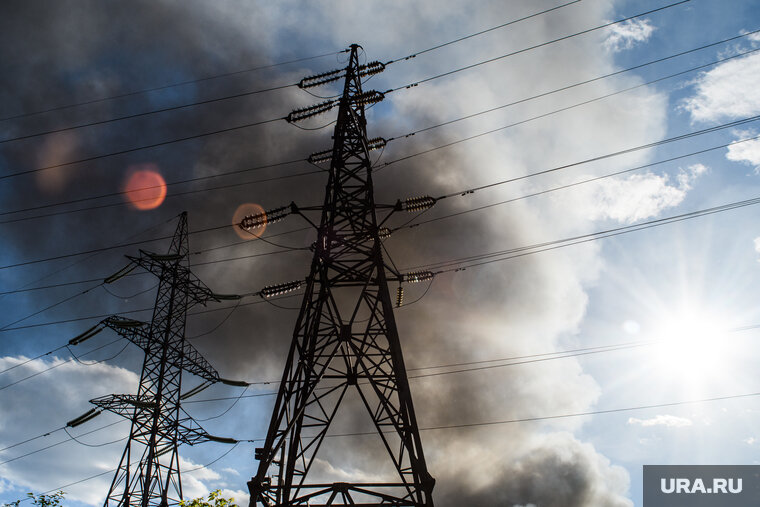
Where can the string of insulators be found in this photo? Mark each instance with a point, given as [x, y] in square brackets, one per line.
[320, 79]
[164, 451]
[308, 112]
[195, 390]
[384, 232]
[368, 97]
[418, 276]
[265, 217]
[326, 155]
[419, 203]
[139, 403]
[123, 322]
[399, 296]
[235, 383]
[221, 440]
[376, 143]
[371, 68]
[367, 69]
[226, 297]
[90, 414]
[281, 288]
[86, 335]
[320, 156]
[121, 273]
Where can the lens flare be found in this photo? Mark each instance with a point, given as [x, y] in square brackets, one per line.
[56, 149]
[145, 188]
[242, 211]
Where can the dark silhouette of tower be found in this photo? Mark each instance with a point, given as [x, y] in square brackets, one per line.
[345, 348]
[159, 424]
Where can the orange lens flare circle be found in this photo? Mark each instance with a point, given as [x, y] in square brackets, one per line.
[145, 189]
[243, 211]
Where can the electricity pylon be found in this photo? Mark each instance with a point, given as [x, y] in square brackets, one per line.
[345, 346]
[159, 424]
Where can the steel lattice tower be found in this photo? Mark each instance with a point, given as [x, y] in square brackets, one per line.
[159, 424]
[345, 340]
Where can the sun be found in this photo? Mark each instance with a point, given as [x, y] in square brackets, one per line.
[690, 347]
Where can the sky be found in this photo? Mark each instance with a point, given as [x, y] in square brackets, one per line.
[617, 339]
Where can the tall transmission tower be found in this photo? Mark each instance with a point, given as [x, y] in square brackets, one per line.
[345, 349]
[159, 424]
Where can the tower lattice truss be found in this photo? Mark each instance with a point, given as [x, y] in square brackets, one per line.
[149, 471]
[345, 372]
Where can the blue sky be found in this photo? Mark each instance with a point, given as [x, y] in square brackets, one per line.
[678, 293]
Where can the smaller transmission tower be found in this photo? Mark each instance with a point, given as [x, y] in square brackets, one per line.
[159, 424]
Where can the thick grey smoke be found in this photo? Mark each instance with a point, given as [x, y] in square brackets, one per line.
[71, 51]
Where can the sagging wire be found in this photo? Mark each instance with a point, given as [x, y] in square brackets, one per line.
[220, 324]
[56, 365]
[91, 363]
[75, 439]
[118, 296]
[314, 128]
[227, 409]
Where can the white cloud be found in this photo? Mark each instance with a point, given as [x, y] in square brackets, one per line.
[728, 91]
[670, 421]
[636, 197]
[755, 37]
[238, 495]
[757, 246]
[626, 35]
[44, 403]
[747, 152]
[193, 485]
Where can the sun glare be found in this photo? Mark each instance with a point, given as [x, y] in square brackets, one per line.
[690, 347]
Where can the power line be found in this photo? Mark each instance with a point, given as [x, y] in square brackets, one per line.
[574, 164]
[410, 134]
[132, 243]
[512, 253]
[485, 423]
[145, 113]
[524, 359]
[69, 298]
[113, 470]
[172, 195]
[57, 443]
[460, 39]
[513, 361]
[197, 252]
[73, 358]
[601, 157]
[599, 78]
[244, 94]
[247, 125]
[131, 312]
[574, 414]
[543, 44]
[543, 245]
[164, 87]
[169, 184]
[140, 148]
[409, 224]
